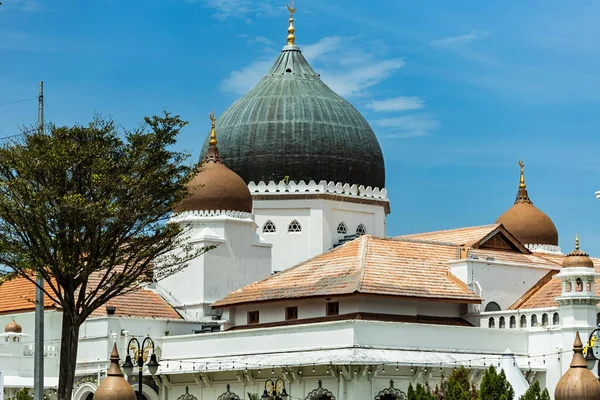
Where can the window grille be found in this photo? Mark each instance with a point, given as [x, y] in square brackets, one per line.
[294, 226]
[341, 228]
[269, 227]
[361, 230]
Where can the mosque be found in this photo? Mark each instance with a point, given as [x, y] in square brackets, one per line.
[305, 297]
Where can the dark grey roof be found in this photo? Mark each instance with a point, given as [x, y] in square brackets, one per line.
[291, 124]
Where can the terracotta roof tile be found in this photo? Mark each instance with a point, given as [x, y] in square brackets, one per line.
[459, 237]
[18, 295]
[368, 265]
[514, 257]
[544, 293]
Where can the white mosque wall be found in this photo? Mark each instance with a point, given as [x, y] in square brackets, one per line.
[240, 258]
[319, 220]
[501, 282]
[317, 307]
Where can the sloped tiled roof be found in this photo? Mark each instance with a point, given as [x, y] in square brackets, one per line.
[368, 265]
[514, 257]
[460, 236]
[18, 295]
[544, 293]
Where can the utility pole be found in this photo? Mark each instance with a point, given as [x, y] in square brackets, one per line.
[38, 359]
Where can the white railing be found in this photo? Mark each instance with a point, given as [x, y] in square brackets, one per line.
[321, 187]
[544, 248]
[188, 215]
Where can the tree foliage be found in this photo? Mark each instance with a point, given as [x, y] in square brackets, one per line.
[458, 386]
[494, 386]
[22, 394]
[420, 392]
[86, 207]
[534, 392]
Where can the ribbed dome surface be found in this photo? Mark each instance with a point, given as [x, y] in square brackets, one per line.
[526, 222]
[291, 124]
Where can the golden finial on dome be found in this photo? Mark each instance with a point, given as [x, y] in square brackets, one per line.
[522, 179]
[213, 133]
[291, 38]
[576, 241]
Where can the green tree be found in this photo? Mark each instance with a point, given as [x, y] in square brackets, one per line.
[458, 385]
[534, 392]
[494, 386]
[87, 208]
[22, 394]
[421, 392]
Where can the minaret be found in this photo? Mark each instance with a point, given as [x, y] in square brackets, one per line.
[578, 299]
[217, 214]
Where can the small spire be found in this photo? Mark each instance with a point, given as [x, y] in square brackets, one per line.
[213, 134]
[291, 38]
[576, 241]
[212, 154]
[522, 196]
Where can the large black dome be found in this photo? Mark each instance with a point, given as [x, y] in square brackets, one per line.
[292, 125]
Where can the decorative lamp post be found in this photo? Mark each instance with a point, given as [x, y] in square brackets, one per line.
[139, 352]
[275, 390]
[590, 357]
[114, 386]
[578, 383]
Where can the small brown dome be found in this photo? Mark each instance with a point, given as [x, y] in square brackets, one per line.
[216, 187]
[577, 258]
[526, 222]
[578, 383]
[13, 327]
[114, 386]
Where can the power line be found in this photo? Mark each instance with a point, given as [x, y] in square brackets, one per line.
[18, 101]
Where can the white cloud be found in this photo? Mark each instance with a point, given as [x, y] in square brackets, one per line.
[407, 126]
[397, 104]
[326, 57]
[225, 9]
[449, 41]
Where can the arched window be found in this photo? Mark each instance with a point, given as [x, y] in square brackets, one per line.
[492, 306]
[391, 393]
[578, 285]
[320, 393]
[188, 396]
[534, 321]
[523, 321]
[513, 322]
[228, 395]
[294, 226]
[555, 319]
[342, 228]
[269, 227]
[491, 323]
[361, 230]
[502, 323]
[544, 320]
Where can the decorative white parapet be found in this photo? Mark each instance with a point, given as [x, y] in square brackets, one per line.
[321, 187]
[200, 214]
[544, 248]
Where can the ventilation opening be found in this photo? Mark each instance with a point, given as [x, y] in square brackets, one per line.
[288, 70]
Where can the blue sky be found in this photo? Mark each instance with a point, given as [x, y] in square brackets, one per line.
[457, 92]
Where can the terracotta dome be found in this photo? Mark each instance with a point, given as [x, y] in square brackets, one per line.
[526, 222]
[114, 386]
[578, 383]
[577, 258]
[216, 187]
[13, 327]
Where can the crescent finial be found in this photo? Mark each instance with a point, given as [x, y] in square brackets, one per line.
[291, 6]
